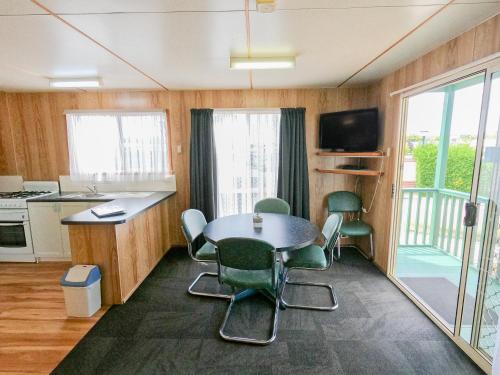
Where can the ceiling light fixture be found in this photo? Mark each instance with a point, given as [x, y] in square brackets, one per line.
[75, 82]
[252, 63]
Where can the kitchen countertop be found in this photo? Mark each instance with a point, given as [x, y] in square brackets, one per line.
[77, 197]
[132, 206]
[65, 197]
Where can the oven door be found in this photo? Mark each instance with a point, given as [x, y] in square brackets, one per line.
[15, 238]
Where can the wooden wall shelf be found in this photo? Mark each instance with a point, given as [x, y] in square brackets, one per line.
[354, 172]
[374, 154]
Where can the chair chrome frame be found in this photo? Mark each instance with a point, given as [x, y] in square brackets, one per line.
[244, 293]
[372, 248]
[249, 340]
[202, 274]
[335, 303]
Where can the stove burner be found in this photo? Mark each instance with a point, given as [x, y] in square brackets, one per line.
[22, 194]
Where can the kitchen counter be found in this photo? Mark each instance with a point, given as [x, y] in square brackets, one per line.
[125, 247]
[91, 197]
[71, 197]
[132, 206]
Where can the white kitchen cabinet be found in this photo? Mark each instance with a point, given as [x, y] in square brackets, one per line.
[50, 237]
[46, 230]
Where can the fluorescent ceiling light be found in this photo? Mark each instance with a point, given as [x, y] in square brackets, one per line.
[75, 82]
[250, 63]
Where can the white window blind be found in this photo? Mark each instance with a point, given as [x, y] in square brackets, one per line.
[246, 144]
[117, 146]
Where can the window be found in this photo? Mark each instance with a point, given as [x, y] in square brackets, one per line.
[114, 146]
[247, 144]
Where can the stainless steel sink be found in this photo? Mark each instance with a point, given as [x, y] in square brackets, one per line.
[110, 195]
[93, 195]
[83, 195]
[128, 194]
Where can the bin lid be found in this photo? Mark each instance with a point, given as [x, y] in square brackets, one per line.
[81, 275]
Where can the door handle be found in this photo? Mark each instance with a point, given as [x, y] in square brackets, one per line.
[470, 218]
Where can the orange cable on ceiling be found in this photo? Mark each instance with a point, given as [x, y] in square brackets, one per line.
[247, 29]
[40, 5]
[397, 42]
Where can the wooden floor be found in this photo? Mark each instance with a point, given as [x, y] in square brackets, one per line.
[35, 334]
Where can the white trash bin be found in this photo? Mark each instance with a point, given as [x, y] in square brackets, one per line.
[82, 290]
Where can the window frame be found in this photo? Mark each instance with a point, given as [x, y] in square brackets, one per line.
[169, 162]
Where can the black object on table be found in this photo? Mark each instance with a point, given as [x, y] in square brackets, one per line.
[284, 232]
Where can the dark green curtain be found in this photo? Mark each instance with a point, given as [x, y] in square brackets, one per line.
[293, 176]
[203, 176]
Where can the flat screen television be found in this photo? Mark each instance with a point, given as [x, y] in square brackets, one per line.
[350, 131]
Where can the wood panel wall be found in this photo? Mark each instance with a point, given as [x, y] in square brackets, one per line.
[472, 45]
[33, 139]
[34, 142]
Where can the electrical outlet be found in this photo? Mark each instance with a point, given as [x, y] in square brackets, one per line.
[388, 152]
[179, 149]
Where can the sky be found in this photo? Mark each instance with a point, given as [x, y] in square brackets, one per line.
[425, 112]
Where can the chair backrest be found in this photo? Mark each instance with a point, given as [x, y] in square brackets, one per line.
[343, 201]
[331, 230]
[246, 254]
[272, 206]
[192, 223]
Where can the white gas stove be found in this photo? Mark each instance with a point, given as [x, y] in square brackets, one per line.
[18, 199]
[15, 232]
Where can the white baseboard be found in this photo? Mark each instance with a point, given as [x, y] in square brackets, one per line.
[27, 258]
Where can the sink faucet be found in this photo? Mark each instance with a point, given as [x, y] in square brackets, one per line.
[92, 188]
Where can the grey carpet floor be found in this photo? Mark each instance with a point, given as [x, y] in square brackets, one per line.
[163, 330]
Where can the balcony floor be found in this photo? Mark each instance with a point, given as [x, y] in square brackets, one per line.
[430, 262]
[434, 277]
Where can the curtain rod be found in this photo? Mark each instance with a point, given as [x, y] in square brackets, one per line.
[139, 110]
[251, 109]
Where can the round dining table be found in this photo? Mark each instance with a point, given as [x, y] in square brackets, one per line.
[284, 232]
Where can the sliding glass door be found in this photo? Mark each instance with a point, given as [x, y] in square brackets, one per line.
[440, 148]
[446, 243]
[484, 262]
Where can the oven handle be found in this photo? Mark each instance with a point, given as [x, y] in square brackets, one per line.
[12, 224]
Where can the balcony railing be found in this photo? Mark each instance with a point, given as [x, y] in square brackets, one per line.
[434, 217]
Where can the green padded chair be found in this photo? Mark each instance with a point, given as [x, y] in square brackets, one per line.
[348, 202]
[192, 224]
[246, 263]
[272, 206]
[313, 257]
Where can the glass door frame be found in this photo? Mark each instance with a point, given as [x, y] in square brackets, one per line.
[489, 68]
[485, 251]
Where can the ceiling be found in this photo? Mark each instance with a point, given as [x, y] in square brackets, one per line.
[178, 44]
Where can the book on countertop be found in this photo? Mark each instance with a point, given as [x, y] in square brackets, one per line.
[108, 211]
